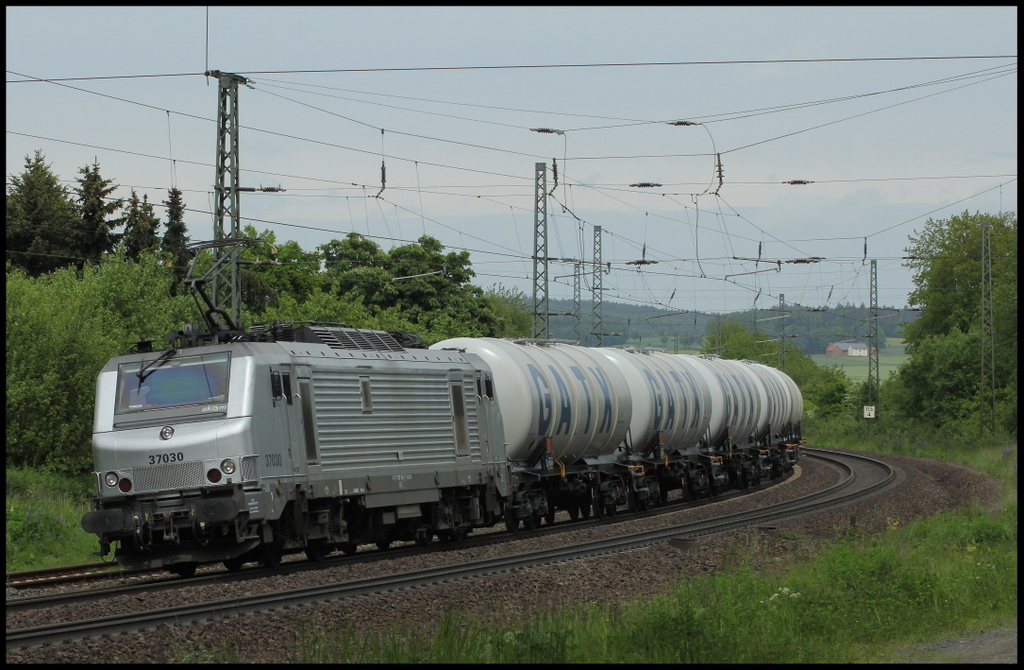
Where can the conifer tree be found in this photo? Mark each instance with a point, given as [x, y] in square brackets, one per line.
[95, 206]
[140, 226]
[43, 228]
[175, 239]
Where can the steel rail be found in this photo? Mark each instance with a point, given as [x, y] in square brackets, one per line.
[483, 539]
[829, 497]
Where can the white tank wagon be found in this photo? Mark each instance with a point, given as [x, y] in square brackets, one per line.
[557, 401]
[621, 427]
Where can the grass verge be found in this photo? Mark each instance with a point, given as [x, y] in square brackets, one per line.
[930, 577]
[850, 602]
[42, 519]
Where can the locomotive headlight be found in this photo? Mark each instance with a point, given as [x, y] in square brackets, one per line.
[166, 432]
[228, 466]
[111, 479]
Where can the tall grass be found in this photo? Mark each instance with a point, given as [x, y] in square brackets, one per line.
[42, 518]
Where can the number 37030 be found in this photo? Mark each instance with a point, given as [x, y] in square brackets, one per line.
[272, 460]
[170, 457]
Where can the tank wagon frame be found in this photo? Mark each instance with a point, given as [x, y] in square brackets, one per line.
[236, 446]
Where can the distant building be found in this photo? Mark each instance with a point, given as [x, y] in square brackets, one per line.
[848, 349]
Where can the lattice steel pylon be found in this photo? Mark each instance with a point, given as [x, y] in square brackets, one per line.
[781, 352]
[873, 373]
[577, 276]
[987, 382]
[597, 290]
[226, 293]
[540, 251]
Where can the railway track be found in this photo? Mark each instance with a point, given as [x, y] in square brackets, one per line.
[212, 573]
[27, 579]
[864, 476]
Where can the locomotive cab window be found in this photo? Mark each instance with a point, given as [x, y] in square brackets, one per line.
[173, 382]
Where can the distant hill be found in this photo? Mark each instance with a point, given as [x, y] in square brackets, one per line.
[649, 326]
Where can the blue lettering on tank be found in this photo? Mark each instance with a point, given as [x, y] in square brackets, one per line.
[693, 393]
[682, 396]
[659, 401]
[727, 389]
[751, 398]
[606, 414]
[696, 400]
[565, 403]
[578, 373]
[543, 399]
[670, 403]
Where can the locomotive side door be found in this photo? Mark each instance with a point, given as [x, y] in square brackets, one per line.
[278, 454]
[302, 424]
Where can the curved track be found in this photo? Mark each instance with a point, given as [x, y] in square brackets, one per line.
[864, 476]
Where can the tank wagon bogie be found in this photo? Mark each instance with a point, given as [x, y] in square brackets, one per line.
[311, 438]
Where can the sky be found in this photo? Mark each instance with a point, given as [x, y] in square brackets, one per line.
[884, 114]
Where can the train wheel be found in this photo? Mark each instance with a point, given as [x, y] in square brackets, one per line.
[531, 521]
[574, 512]
[424, 537]
[549, 518]
[185, 570]
[511, 522]
[383, 545]
[270, 557]
[316, 552]
[234, 564]
[349, 548]
[585, 510]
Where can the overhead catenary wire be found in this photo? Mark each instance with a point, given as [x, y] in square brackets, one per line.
[567, 192]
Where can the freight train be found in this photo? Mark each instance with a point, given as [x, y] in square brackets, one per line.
[248, 445]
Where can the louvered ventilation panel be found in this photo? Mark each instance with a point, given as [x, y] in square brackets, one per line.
[352, 338]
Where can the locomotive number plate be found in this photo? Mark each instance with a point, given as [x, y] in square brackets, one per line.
[172, 457]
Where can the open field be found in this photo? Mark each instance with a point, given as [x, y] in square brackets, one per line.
[857, 367]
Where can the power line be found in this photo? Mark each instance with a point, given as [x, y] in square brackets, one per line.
[548, 66]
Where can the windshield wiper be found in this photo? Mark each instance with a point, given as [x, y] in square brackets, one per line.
[165, 356]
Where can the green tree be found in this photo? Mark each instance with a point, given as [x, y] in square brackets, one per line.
[426, 285]
[511, 311]
[294, 272]
[62, 328]
[140, 227]
[940, 382]
[824, 389]
[94, 207]
[731, 339]
[946, 266]
[175, 240]
[43, 228]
